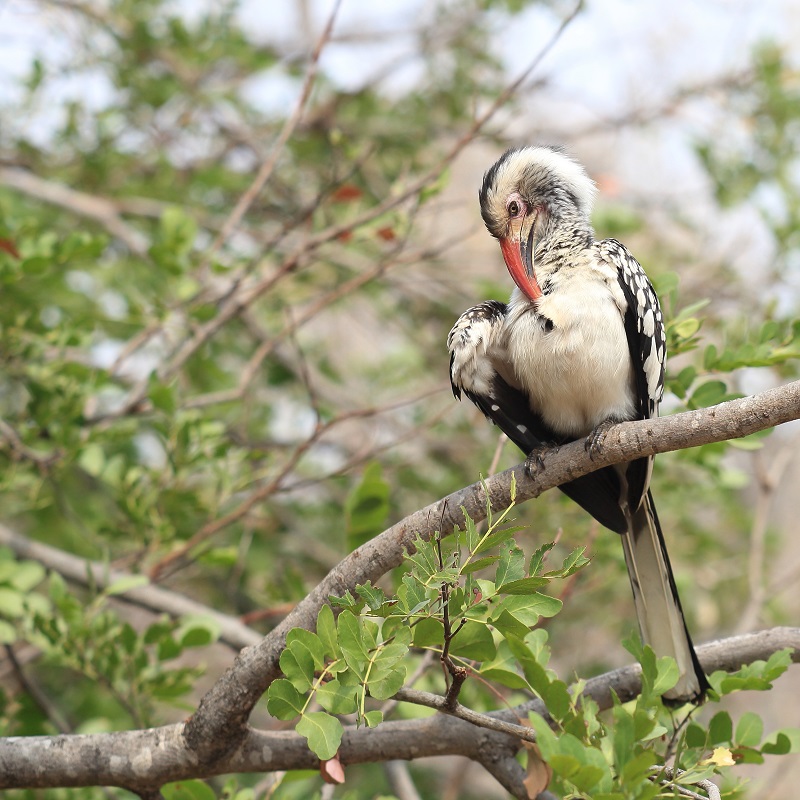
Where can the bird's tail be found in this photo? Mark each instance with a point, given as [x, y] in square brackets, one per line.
[658, 606]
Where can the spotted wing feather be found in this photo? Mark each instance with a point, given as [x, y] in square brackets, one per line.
[479, 368]
[644, 328]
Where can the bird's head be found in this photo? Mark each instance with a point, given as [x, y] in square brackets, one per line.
[527, 194]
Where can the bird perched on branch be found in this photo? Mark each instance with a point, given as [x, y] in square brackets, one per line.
[579, 346]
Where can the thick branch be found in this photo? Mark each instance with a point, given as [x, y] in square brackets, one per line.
[224, 711]
[149, 758]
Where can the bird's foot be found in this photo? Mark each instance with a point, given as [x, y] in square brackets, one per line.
[535, 461]
[594, 441]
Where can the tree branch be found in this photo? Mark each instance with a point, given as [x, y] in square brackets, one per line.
[240, 294]
[78, 570]
[101, 209]
[217, 735]
[220, 720]
[146, 759]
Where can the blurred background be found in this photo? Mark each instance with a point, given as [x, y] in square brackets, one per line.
[228, 270]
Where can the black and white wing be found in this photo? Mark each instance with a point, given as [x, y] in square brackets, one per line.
[644, 328]
[481, 369]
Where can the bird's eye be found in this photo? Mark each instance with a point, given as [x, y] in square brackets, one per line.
[515, 206]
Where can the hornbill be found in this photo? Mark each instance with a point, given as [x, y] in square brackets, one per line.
[579, 346]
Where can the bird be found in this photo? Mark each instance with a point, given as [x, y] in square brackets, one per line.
[579, 346]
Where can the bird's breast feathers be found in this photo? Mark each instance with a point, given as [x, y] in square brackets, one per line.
[570, 353]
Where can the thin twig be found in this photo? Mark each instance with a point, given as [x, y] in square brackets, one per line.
[400, 780]
[501, 440]
[276, 484]
[768, 478]
[100, 209]
[246, 295]
[264, 173]
[161, 601]
[47, 761]
[34, 691]
[20, 450]
[710, 788]
[430, 700]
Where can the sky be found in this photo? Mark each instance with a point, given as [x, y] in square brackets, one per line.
[616, 56]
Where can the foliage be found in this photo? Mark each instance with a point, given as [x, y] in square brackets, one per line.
[490, 630]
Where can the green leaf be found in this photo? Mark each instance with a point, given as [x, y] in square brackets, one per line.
[297, 664]
[710, 358]
[638, 770]
[776, 742]
[367, 507]
[534, 671]
[779, 745]
[503, 667]
[749, 730]
[178, 231]
[667, 675]
[696, 736]
[12, 603]
[162, 395]
[424, 559]
[373, 718]
[300, 639]
[126, 583]
[413, 596]
[388, 684]
[480, 563]
[283, 700]
[496, 537]
[505, 677]
[473, 641]
[326, 630]
[188, 790]
[523, 586]
[336, 698]
[624, 737]
[26, 575]
[687, 328]
[428, 633]
[537, 559]
[323, 733]
[36, 265]
[720, 728]
[558, 700]
[777, 664]
[530, 607]
[373, 596]
[574, 562]
[587, 777]
[352, 643]
[708, 394]
[545, 738]
[92, 459]
[8, 634]
[507, 624]
[197, 631]
[511, 566]
[345, 601]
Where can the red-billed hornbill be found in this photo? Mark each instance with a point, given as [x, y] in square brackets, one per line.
[580, 345]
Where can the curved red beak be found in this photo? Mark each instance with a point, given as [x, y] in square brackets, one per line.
[518, 255]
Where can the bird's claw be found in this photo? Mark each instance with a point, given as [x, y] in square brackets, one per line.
[535, 461]
[594, 441]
